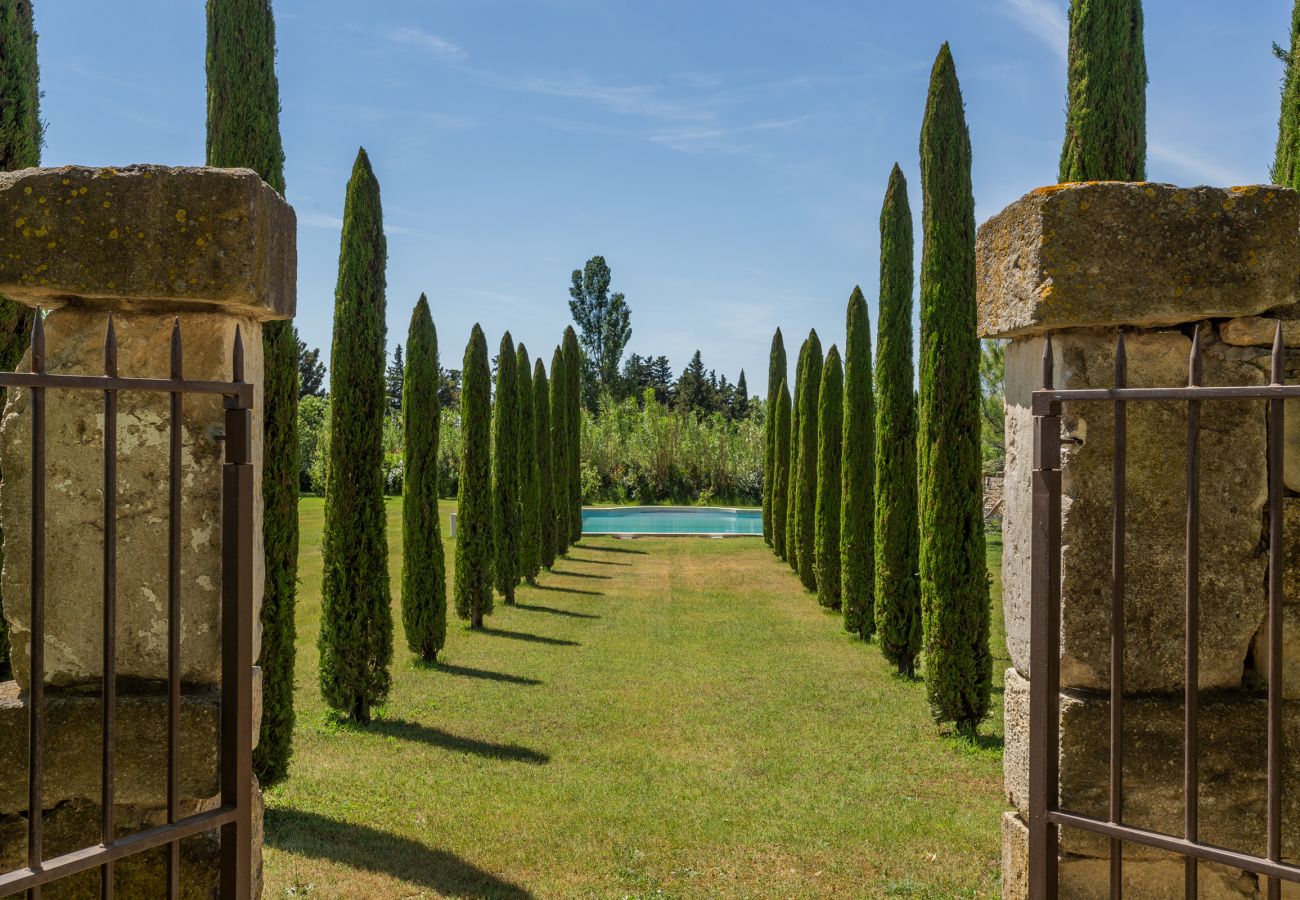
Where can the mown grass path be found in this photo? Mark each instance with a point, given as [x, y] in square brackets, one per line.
[667, 718]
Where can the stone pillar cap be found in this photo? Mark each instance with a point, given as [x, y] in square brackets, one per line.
[1106, 253]
[154, 236]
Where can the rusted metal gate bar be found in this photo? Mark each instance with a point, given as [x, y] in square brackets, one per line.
[234, 815]
[1045, 812]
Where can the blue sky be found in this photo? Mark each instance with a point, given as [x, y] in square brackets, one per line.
[728, 157]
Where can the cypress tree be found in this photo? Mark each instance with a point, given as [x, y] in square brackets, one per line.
[559, 454]
[505, 470]
[857, 489]
[545, 478]
[898, 592]
[775, 375]
[806, 520]
[530, 551]
[1106, 112]
[781, 468]
[356, 636]
[830, 444]
[475, 522]
[573, 420]
[424, 580]
[1286, 161]
[954, 580]
[21, 135]
[792, 480]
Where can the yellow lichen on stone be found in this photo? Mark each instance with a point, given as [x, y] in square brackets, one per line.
[22, 220]
[106, 204]
[199, 242]
[1151, 192]
[112, 235]
[28, 190]
[180, 215]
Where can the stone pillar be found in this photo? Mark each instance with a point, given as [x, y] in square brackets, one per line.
[1081, 261]
[216, 249]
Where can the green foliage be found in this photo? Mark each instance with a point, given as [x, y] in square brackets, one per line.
[530, 525]
[394, 379]
[356, 639]
[806, 489]
[1286, 160]
[954, 580]
[1106, 112]
[573, 422]
[313, 442]
[505, 470]
[243, 93]
[792, 480]
[560, 482]
[857, 485]
[311, 371]
[545, 476]
[830, 447]
[993, 448]
[606, 324]
[475, 522]
[780, 469]
[424, 580]
[775, 375]
[898, 592]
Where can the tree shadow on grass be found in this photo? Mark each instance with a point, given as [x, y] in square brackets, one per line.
[614, 549]
[566, 574]
[362, 847]
[567, 590]
[530, 607]
[484, 674]
[436, 737]
[530, 638]
[596, 562]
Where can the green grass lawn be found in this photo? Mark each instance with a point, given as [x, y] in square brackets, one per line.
[657, 718]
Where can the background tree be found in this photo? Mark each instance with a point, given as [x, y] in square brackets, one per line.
[830, 447]
[394, 379]
[792, 480]
[449, 389]
[505, 470]
[954, 581]
[776, 367]
[1286, 160]
[993, 448]
[898, 592]
[356, 636]
[313, 432]
[780, 468]
[21, 136]
[530, 551]
[573, 441]
[424, 580]
[693, 391]
[311, 371]
[806, 493]
[857, 488]
[653, 372]
[740, 400]
[605, 321]
[560, 458]
[243, 129]
[475, 522]
[1106, 112]
[545, 478]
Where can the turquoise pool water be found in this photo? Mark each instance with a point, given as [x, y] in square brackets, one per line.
[672, 520]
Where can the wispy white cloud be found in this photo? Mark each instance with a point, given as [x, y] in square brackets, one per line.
[1044, 19]
[636, 99]
[1194, 168]
[427, 40]
[319, 220]
[700, 139]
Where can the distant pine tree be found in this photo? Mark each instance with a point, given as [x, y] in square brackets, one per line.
[740, 398]
[545, 476]
[806, 521]
[775, 375]
[475, 523]
[780, 468]
[830, 447]
[857, 492]
[505, 470]
[560, 458]
[393, 381]
[530, 551]
[1286, 161]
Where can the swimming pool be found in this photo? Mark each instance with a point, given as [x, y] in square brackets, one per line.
[671, 520]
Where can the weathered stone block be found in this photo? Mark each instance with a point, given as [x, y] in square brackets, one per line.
[1137, 254]
[74, 499]
[1233, 771]
[1290, 607]
[178, 237]
[1233, 491]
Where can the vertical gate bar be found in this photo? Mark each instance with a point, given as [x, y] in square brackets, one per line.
[1118, 487]
[1045, 583]
[237, 641]
[110, 610]
[1275, 737]
[36, 713]
[174, 617]
[1192, 627]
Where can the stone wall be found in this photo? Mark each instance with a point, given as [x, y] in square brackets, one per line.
[1082, 261]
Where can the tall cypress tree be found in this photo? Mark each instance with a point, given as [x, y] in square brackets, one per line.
[806, 495]
[559, 454]
[424, 579]
[573, 420]
[1106, 113]
[830, 446]
[954, 580]
[356, 636]
[775, 375]
[781, 468]
[530, 551]
[792, 480]
[475, 523]
[21, 136]
[545, 479]
[857, 492]
[898, 592]
[505, 470]
[1286, 161]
